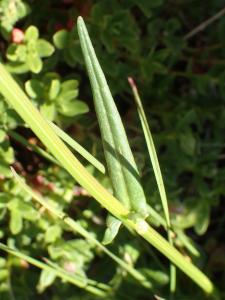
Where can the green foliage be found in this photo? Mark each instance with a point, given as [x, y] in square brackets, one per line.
[68, 45]
[181, 83]
[56, 98]
[29, 54]
[12, 11]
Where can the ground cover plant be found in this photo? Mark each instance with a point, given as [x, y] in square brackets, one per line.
[52, 222]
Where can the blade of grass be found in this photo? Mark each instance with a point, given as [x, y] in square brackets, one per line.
[19, 101]
[78, 228]
[188, 244]
[80, 282]
[151, 150]
[77, 147]
[157, 172]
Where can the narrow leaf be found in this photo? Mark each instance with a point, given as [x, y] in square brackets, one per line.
[157, 172]
[77, 147]
[151, 150]
[121, 165]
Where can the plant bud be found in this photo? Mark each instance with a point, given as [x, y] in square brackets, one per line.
[17, 36]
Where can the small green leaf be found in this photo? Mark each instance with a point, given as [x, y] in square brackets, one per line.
[34, 62]
[48, 110]
[16, 221]
[16, 53]
[53, 233]
[5, 170]
[31, 33]
[188, 143]
[6, 152]
[46, 279]
[68, 95]
[113, 226]
[34, 88]
[54, 89]
[73, 108]
[69, 85]
[2, 135]
[44, 48]
[159, 277]
[203, 217]
[17, 68]
[27, 211]
[60, 39]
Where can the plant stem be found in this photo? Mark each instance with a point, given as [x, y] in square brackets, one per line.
[205, 24]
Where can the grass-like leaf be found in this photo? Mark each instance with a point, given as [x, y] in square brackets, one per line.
[157, 172]
[151, 151]
[121, 165]
[77, 147]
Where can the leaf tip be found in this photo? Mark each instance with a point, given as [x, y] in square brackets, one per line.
[131, 82]
[80, 21]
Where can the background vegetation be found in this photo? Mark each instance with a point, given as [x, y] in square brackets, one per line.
[180, 76]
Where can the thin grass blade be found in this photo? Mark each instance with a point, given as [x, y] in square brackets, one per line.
[78, 148]
[157, 172]
[151, 150]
